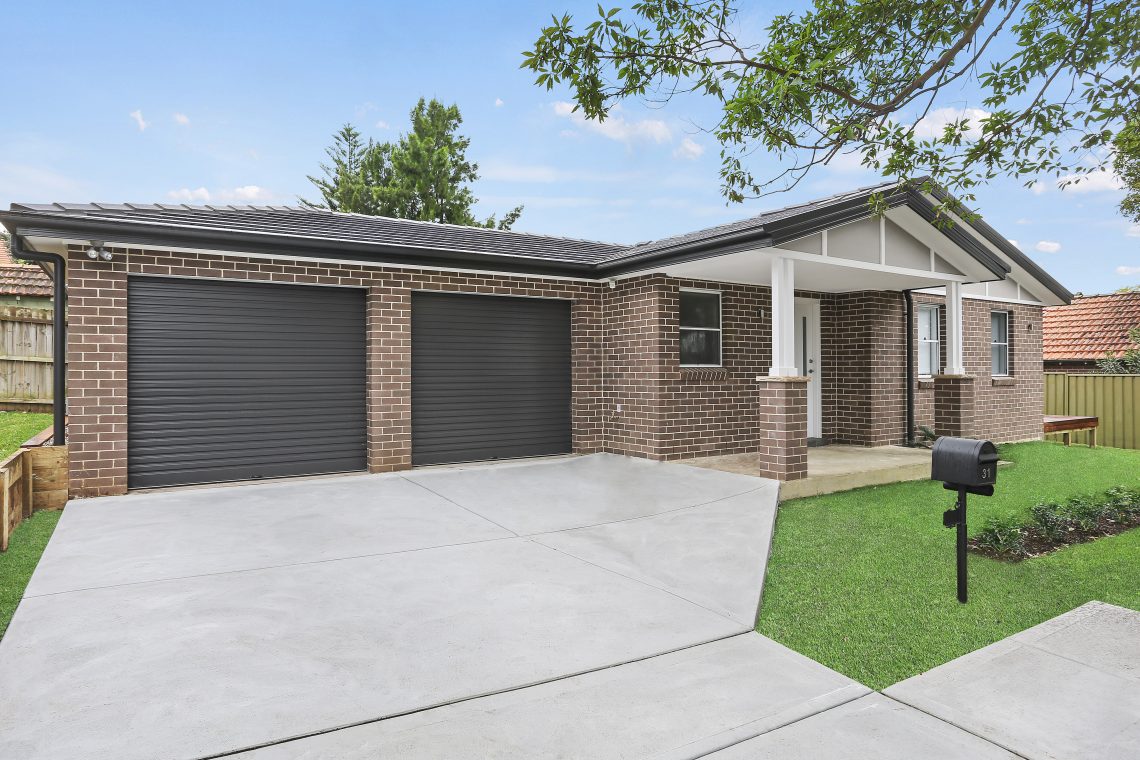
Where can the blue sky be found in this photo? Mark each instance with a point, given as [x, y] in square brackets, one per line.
[235, 102]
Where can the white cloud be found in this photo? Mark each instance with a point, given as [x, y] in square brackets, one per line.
[1047, 246]
[245, 193]
[1094, 182]
[498, 102]
[138, 117]
[1037, 188]
[1128, 271]
[36, 183]
[542, 173]
[381, 124]
[1014, 243]
[182, 119]
[1133, 231]
[1022, 220]
[689, 150]
[617, 127]
[935, 122]
[186, 195]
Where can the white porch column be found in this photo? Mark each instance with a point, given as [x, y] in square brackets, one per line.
[783, 318]
[954, 363]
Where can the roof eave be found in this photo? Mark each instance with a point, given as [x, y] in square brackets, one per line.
[162, 236]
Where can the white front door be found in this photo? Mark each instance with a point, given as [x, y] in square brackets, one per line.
[808, 359]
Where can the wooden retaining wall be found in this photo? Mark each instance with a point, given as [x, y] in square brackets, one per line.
[32, 479]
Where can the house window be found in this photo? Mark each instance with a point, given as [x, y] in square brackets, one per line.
[999, 343]
[929, 342]
[700, 328]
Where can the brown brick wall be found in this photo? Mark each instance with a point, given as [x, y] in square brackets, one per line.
[864, 367]
[783, 419]
[955, 405]
[97, 351]
[626, 352]
[1005, 409]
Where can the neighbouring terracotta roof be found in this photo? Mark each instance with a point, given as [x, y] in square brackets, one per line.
[1091, 327]
[17, 279]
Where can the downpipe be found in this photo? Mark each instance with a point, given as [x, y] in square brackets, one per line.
[59, 334]
[909, 367]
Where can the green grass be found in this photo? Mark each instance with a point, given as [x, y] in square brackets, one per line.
[29, 539]
[17, 427]
[863, 581]
[16, 564]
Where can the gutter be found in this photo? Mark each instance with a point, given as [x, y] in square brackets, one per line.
[59, 334]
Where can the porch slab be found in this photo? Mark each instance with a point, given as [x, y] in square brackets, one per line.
[835, 468]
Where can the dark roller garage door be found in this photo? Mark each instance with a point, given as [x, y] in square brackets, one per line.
[234, 381]
[490, 377]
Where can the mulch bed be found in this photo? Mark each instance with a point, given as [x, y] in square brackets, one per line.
[1037, 544]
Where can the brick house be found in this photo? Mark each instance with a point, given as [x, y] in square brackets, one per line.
[209, 344]
[1088, 329]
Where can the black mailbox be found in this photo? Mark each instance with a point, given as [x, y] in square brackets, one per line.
[964, 462]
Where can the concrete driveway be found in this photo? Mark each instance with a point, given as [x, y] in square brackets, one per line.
[203, 623]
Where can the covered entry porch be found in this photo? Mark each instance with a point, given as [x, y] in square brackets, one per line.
[829, 335]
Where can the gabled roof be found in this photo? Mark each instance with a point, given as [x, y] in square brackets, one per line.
[1091, 327]
[325, 234]
[19, 279]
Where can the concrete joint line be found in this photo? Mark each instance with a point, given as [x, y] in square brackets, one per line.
[310, 734]
[465, 509]
[987, 740]
[271, 567]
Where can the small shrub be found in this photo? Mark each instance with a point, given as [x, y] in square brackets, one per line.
[1002, 535]
[1050, 519]
[1085, 514]
[1126, 501]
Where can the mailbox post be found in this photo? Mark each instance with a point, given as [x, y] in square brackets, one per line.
[966, 466]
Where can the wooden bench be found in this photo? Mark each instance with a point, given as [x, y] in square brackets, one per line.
[1055, 423]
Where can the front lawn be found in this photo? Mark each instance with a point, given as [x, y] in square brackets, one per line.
[17, 427]
[863, 581]
[29, 539]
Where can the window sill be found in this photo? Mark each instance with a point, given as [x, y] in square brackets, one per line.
[704, 373]
[925, 383]
[1003, 382]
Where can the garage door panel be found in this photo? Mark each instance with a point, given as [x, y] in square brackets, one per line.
[235, 381]
[490, 377]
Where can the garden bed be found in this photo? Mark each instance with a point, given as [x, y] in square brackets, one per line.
[1054, 525]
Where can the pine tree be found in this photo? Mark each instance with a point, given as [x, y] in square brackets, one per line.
[424, 175]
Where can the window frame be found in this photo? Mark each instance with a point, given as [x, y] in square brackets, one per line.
[719, 329]
[936, 311]
[994, 343]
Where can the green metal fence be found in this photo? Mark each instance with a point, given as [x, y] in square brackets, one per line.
[1115, 399]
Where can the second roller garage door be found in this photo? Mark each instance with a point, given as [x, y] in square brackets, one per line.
[490, 377]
